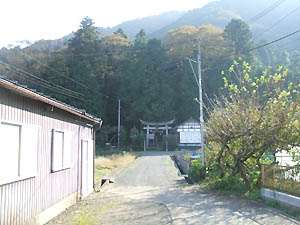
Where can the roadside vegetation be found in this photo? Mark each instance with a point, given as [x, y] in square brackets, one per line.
[107, 161]
[258, 116]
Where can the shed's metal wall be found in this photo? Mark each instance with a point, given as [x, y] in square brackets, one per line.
[22, 200]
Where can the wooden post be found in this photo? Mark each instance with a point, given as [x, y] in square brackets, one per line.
[274, 178]
[148, 136]
[167, 133]
[263, 174]
[144, 145]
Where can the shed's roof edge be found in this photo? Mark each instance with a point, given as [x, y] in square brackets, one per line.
[33, 94]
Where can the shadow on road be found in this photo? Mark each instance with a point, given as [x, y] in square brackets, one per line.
[190, 205]
[150, 192]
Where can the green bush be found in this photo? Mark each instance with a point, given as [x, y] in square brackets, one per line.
[196, 171]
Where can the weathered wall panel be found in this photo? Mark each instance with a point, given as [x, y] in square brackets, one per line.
[25, 199]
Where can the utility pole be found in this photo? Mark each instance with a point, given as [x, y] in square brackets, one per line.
[199, 83]
[201, 103]
[119, 118]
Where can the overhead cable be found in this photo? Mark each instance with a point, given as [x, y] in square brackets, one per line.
[278, 22]
[40, 79]
[266, 11]
[54, 70]
[169, 67]
[43, 85]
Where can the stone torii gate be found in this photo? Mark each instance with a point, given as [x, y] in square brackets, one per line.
[157, 126]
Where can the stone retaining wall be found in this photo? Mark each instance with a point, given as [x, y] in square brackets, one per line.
[183, 164]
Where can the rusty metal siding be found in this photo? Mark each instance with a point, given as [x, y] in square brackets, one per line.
[25, 199]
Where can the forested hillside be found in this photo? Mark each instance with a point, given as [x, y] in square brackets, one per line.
[149, 24]
[150, 76]
[267, 19]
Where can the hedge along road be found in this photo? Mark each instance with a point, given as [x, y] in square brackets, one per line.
[150, 191]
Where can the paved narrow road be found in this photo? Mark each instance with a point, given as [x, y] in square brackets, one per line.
[150, 192]
[153, 180]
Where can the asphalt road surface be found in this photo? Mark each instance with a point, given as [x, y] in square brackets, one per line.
[151, 192]
[164, 197]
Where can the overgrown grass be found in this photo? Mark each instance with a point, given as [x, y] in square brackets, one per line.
[105, 164]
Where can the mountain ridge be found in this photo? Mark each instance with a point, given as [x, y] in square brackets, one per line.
[218, 13]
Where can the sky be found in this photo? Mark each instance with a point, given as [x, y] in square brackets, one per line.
[52, 19]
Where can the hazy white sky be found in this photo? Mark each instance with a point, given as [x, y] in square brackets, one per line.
[51, 19]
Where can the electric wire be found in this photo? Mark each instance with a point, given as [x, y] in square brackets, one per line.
[76, 93]
[194, 73]
[54, 70]
[97, 93]
[265, 11]
[58, 87]
[278, 22]
[101, 53]
[289, 42]
[243, 52]
[48, 85]
[272, 42]
[43, 85]
[264, 45]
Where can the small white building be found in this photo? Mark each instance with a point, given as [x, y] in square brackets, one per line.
[189, 134]
[291, 158]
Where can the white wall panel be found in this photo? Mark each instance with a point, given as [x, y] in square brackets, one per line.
[24, 199]
[190, 137]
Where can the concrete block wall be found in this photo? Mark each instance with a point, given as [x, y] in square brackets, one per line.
[282, 198]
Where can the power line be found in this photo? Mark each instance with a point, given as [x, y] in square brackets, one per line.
[272, 42]
[101, 53]
[264, 45]
[278, 22]
[52, 86]
[289, 42]
[60, 88]
[169, 67]
[76, 93]
[43, 85]
[54, 70]
[51, 68]
[266, 11]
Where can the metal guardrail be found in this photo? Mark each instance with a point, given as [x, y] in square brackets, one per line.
[282, 178]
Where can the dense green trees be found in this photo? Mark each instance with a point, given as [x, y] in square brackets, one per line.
[86, 60]
[239, 33]
[103, 69]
